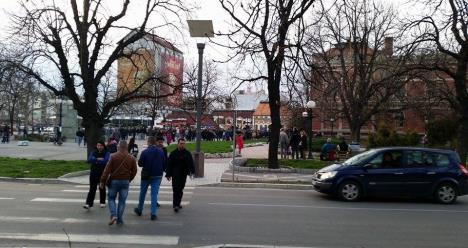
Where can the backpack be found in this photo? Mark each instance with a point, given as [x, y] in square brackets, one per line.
[112, 148]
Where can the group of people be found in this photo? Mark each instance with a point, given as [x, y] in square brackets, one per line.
[117, 170]
[5, 134]
[294, 143]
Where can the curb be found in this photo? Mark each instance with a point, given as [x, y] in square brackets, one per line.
[75, 174]
[35, 180]
[224, 180]
[261, 185]
[280, 170]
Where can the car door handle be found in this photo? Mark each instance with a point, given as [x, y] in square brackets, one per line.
[398, 173]
[431, 173]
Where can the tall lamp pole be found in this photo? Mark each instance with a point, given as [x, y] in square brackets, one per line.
[332, 120]
[310, 105]
[202, 29]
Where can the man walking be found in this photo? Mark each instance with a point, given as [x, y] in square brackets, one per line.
[153, 162]
[122, 168]
[180, 165]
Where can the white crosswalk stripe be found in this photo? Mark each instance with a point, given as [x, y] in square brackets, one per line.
[138, 187]
[131, 191]
[24, 219]
[89, 238]
[6, 198]
[80, 200]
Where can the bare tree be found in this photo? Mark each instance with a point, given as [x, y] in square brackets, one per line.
[442, 37]
[261, 35]
[77, 42]
[358, 69]
[211, 89]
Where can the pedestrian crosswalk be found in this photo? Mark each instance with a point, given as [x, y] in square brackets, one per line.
[52, 210]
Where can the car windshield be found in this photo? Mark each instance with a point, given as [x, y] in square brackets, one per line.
[358, 159]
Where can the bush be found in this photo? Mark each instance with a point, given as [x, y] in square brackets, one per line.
[442, 133]
[387, 137]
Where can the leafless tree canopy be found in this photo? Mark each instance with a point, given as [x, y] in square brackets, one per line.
[261, 35]
[76, 40]
[356, 68]
[212, 93]
[442, 38]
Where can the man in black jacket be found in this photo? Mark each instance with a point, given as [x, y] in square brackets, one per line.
[180, 164]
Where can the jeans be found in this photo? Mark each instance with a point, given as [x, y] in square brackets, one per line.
[79, 140]
[120, 187]
[155, 183]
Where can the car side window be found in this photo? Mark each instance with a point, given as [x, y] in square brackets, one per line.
[416, 159]
[387, 160]
[441, 160]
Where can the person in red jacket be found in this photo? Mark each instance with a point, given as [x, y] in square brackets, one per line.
[240, 142]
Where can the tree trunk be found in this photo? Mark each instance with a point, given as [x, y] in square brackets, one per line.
[274, 102]
[462, 146]
[355, 132]
[94, 133]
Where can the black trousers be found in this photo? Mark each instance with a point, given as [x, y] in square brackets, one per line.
[178, 185]
[295, 152]
[94, 179]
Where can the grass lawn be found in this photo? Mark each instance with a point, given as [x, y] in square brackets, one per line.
[22, 168]
[300, 164]
[211, 146]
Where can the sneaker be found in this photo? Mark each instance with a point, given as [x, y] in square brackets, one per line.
[103, 205]
[119, 223]
[86, 206]
[180, 206]
[158, 205]
[112, 221]
[137, 211]
[154, 217]
[176, 209]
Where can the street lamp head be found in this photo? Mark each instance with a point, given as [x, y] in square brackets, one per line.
[332, 119]
[305, 114]
[311, 104]
[201, 28]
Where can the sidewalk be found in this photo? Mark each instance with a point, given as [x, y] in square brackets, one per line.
[216, 171]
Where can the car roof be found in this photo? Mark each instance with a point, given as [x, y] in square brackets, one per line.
[414, 148]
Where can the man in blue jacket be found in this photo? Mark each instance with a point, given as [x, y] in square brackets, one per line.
[153, 163]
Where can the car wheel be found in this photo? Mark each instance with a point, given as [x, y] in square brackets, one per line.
[349, 191]
[446, 193]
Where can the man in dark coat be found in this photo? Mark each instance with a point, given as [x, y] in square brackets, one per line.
[180, 165]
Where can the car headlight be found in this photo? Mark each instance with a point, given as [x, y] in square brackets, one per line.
[328, 175]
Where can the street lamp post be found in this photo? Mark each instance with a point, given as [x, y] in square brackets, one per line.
[332, 120]
[59, 132]
[234, 124]
[310, 105]
[203, 29]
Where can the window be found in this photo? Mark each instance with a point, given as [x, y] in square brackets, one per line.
[387, 159]
[417, 159]
[441, 160]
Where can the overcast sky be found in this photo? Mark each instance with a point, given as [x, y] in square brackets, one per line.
[208, 9]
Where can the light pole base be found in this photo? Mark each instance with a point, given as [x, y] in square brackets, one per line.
[199, 160]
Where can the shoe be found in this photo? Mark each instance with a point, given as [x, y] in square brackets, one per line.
[103, 205]
[176, 209]
[180, 207]
[154, 217]
[112, 221]
[137, 211]
[86, 206]
[157, 204]
[119, 223]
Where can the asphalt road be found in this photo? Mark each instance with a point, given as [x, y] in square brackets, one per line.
[43, 215]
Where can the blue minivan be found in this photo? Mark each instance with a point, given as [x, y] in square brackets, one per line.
[396, 172]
